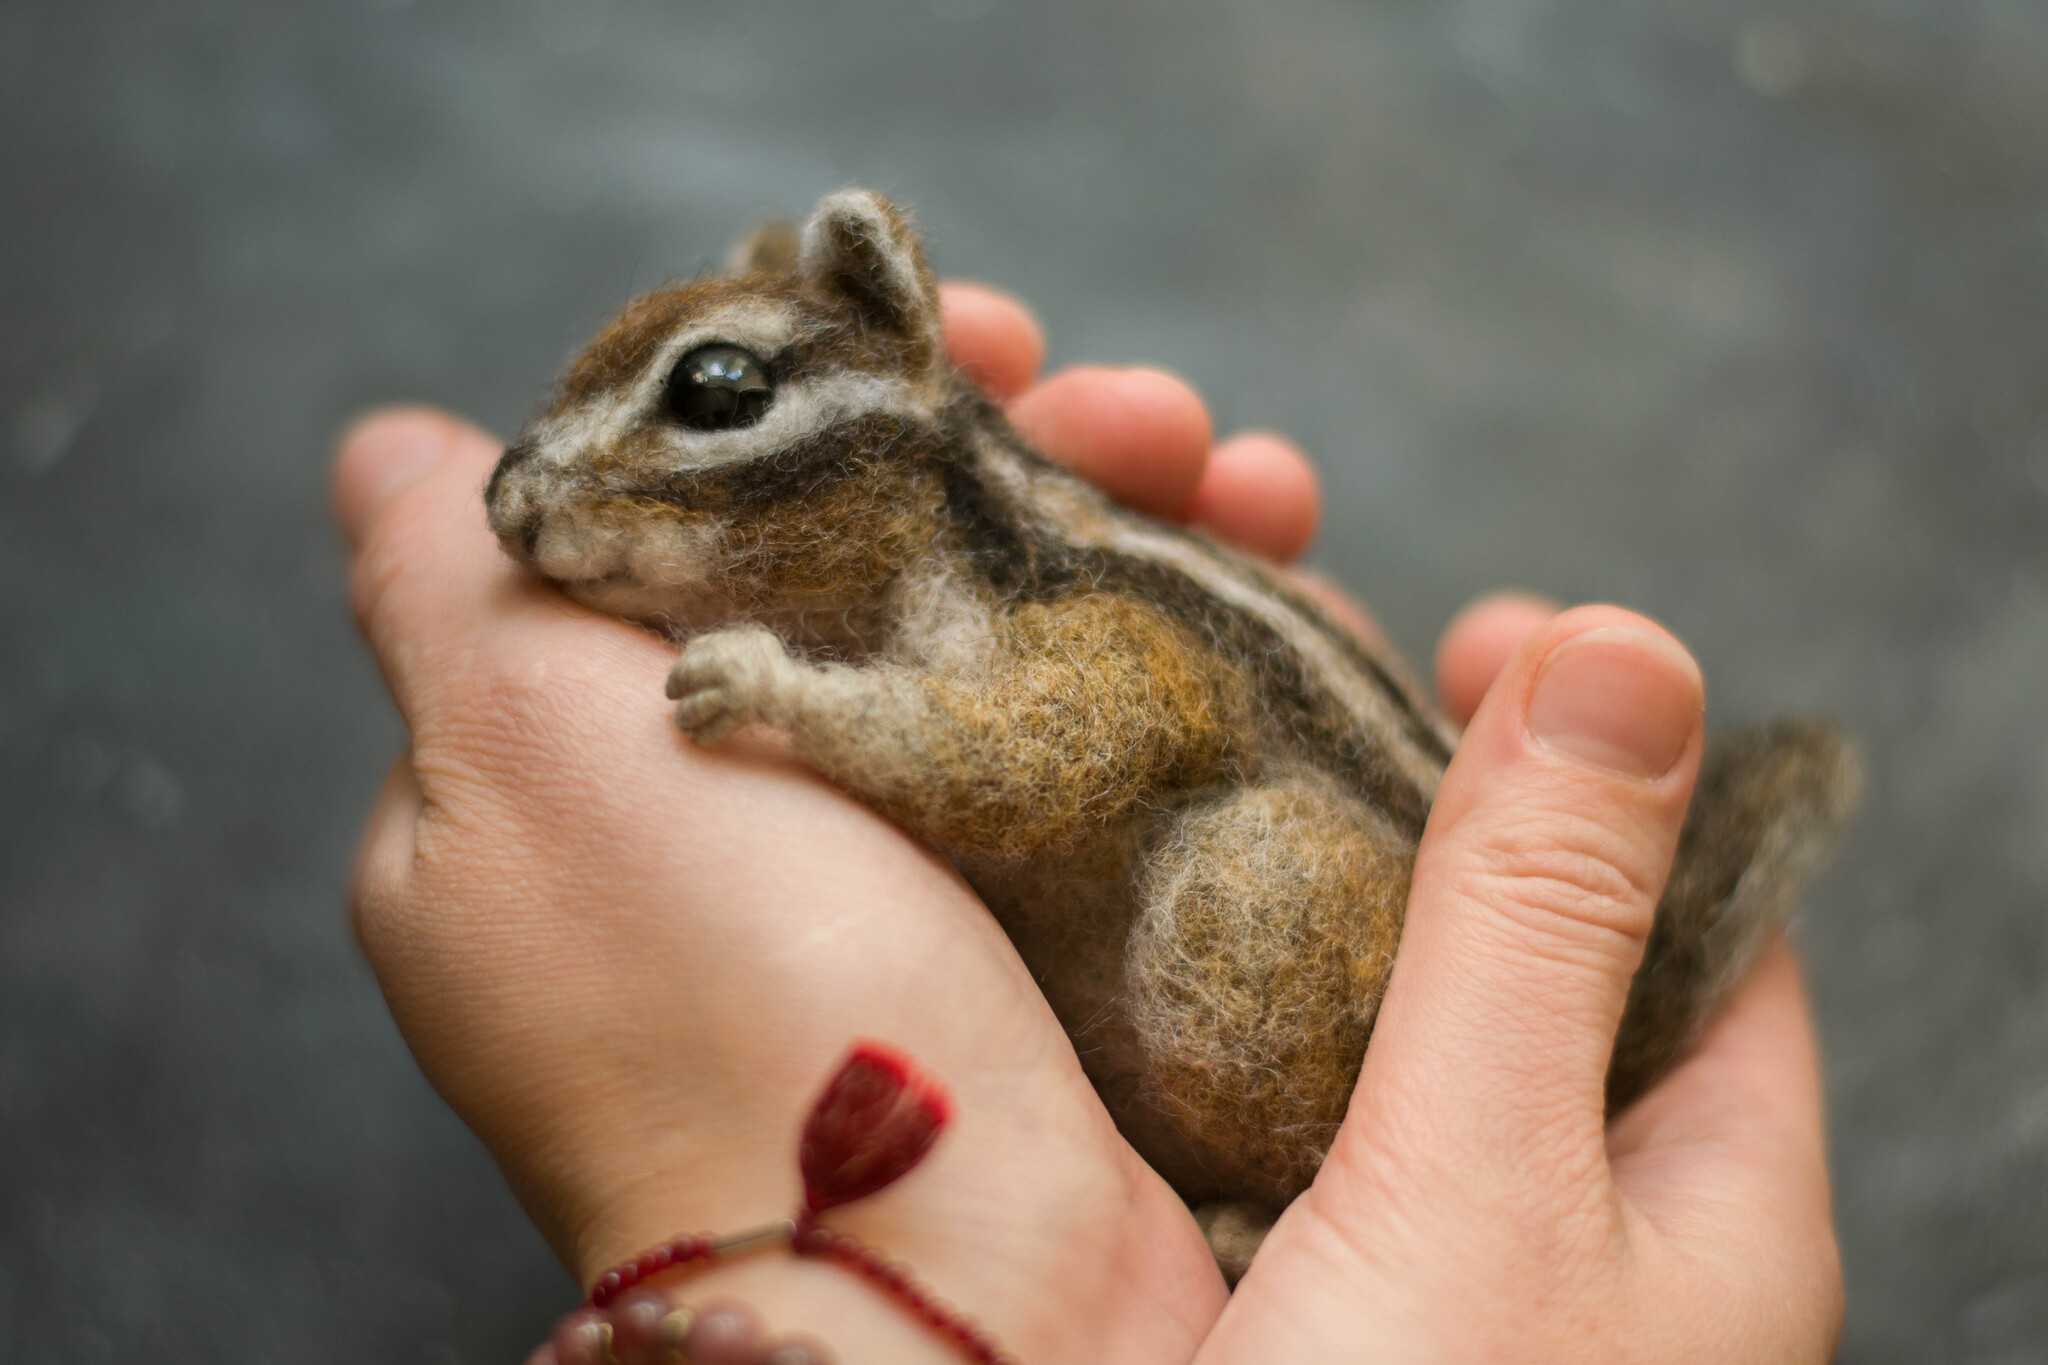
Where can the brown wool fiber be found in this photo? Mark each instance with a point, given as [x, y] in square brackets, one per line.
[1192, 799]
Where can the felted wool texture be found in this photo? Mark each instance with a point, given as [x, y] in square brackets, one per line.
[1235, 1232]
[1765, 810]
[1266, 933]
[1080, 712]
[1191, 798]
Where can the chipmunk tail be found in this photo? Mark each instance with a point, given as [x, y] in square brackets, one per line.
[1770, 804]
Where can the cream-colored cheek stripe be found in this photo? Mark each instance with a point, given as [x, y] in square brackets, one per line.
[799, 412]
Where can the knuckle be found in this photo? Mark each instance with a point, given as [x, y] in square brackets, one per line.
[419, 903]
[382, 889]
[504, 723]
[1566, 875]
[501, 724]
[372, 905]
[511, 728]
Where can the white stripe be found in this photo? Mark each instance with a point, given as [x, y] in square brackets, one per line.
[761, 327]
[800, 410]
[1230, 585]
[1086, 516]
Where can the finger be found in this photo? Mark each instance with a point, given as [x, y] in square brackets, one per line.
[1534, 890]
[384, 858]
[384, 452]
[408, 492]
[1140, 435]
[992, 336]
[1259, 493]
[1478, 643]
[433, 591]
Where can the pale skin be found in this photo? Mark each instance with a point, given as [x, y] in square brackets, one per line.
[628, 963]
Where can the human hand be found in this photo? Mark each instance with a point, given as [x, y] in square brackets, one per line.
[1476, 1205]
[628, 963]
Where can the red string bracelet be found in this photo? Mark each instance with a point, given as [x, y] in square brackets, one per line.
[876, 1118]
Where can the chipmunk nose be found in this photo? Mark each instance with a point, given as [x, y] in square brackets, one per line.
[513, 513]
[516, 454]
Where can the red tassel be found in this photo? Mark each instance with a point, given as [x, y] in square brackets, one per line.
[876, 1119]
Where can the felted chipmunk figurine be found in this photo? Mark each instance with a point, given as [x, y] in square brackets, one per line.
[1191, 798]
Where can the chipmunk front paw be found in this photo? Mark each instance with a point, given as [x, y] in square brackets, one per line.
[730, 677]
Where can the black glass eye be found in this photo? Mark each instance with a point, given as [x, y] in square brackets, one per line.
[719, 387]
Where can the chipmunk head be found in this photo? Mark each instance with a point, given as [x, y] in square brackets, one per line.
[730, 444]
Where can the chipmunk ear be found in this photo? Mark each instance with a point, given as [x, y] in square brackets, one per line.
[769, 249]
[862, 248]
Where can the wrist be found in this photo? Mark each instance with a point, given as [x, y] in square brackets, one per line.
[807, 1297]
[1029, 1217]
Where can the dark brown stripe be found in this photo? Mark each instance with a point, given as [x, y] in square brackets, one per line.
[1017, 556]
[805, 469]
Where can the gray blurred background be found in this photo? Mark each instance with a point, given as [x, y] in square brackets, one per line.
[1733, 312]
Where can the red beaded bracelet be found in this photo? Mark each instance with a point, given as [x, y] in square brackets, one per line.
[643, 1328]
[874, 1121]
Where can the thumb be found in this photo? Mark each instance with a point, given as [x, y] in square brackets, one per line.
[1534, 891]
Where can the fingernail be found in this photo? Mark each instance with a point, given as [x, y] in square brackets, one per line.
[1619, 699]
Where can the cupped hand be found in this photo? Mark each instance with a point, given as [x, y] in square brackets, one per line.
[1476, 1204]
[628, 963]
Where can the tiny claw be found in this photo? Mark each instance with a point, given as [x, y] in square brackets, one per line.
[705, 715]
[711, 732]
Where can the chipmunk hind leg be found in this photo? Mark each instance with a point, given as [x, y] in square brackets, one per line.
[1770, 802]
[1265, 934]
